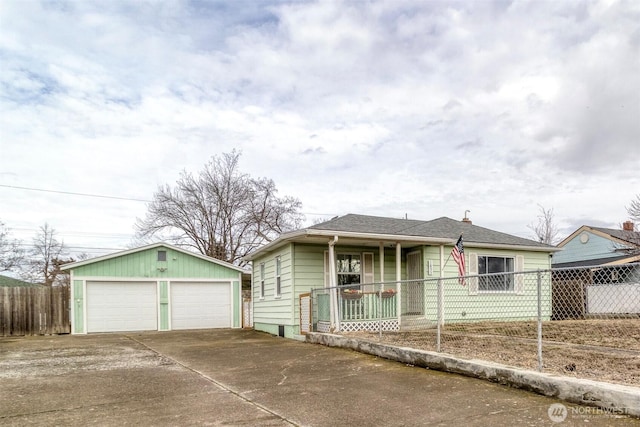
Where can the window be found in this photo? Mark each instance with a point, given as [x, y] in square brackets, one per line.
[495, 282]
[348, 269]
[162, 255]
[278, 287]
[262, 280]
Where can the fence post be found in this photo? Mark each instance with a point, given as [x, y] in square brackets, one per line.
[379, 302]
[539, 277]
[439, 310]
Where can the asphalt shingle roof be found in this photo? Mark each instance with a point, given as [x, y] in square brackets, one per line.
[439, 228]
[627, 236]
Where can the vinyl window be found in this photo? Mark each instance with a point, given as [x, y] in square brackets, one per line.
[262, 280]
[494, 275]
[278, 282]
[348, 267]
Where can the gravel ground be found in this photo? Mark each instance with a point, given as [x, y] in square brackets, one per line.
[601, 350]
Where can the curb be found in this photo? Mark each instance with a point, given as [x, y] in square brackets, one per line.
[622, 398]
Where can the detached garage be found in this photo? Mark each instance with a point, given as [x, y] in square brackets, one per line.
[158, 287]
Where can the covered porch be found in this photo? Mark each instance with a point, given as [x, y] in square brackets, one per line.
[363, 304]
[359, 311]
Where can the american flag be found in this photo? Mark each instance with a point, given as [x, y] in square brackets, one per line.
[458, 256]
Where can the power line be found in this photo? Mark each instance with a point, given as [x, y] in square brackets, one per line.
[75, 194]
[71, 193]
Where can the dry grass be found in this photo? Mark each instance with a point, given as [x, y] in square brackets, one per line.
[601, 350]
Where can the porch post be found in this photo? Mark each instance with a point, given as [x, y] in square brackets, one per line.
[398, 279]
[382, 265]
[333, 292]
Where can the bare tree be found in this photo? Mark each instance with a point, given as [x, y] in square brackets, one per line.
[545, 229]
[11, 254]
[45, 259]
[221, 212]
[634, 209]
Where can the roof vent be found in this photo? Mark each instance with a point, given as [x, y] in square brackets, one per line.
[628, 226]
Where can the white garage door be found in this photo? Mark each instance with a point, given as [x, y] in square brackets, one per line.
[121, 306]
[200, 305]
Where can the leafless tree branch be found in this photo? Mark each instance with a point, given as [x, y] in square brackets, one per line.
[545, 229]
[220, 212]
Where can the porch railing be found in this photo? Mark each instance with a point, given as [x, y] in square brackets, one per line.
[367, 306]
[358, 307]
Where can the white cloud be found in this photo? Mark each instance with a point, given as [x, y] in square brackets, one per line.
[387, 108]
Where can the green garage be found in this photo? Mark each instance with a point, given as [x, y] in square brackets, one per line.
[158, 287]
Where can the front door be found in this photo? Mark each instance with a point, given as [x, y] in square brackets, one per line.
[413, 298]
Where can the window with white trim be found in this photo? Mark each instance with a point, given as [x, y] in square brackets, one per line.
[262, 280]
[348, 267]
[489, 279]
[278, 283]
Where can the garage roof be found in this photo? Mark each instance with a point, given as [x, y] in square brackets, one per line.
[151, 246]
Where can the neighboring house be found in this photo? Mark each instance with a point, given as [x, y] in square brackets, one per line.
[10, 282]
[597, 273]
[158, 287]
[363, 249]
[599, 246]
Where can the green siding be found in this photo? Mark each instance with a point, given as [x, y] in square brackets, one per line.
[289, 330]
[145, 264]
[302, 269]
[272, 308]
[164, 305]
[78, 304]
[237, 313]
[493, 305]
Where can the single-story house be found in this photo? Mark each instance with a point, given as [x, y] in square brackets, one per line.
[158, 287]
[589, 246]
[359, 250]
[597, 273]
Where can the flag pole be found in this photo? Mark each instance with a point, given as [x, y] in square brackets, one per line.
[449, 257]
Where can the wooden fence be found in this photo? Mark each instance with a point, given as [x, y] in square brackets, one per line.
[34, 311]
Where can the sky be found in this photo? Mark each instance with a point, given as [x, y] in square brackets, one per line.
[400, 108]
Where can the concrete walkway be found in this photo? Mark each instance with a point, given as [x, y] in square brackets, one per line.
[238, 377]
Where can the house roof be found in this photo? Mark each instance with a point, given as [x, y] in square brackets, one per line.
[623, 237]
[11, 282]
[618, 260]
[151, 246]
[371, 230]
[632, 237]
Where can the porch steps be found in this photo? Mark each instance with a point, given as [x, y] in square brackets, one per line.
[416, 323]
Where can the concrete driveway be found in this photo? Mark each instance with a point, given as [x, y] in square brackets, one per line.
[247, 378]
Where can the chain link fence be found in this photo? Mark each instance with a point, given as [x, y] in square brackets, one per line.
[582, 322]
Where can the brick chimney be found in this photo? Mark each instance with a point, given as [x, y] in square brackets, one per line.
[467, 220]
[628, 226]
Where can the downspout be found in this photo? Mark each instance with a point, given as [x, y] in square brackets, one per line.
[333, 292]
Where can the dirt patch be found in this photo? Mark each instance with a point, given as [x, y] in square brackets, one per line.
[601, 350]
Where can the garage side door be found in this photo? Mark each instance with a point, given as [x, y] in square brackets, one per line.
[121, 306]
[200, 305]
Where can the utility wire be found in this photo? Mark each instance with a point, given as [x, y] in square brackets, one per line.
[118, 198]
[74, 194]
